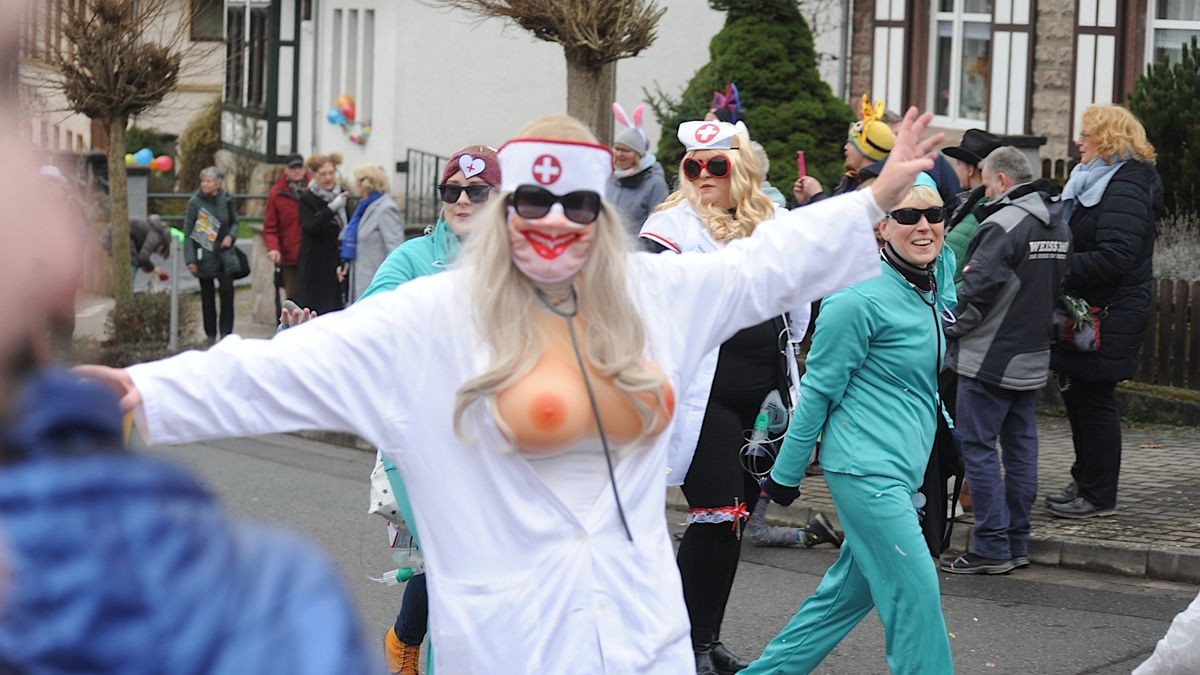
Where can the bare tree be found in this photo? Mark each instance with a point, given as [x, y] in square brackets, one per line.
[594, 34]
[121, 58]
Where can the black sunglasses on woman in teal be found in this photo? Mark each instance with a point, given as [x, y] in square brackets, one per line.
[478, 194]
[933, 214]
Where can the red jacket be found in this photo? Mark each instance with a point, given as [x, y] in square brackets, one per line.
[281, 221]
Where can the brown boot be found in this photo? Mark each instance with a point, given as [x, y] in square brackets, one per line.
[402, 659]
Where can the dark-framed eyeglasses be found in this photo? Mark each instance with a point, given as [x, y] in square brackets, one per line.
[533, 202]
[933, 214]
[478, 194]
[717, 165]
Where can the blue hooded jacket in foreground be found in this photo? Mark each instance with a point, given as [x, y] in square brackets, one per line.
[116, 563]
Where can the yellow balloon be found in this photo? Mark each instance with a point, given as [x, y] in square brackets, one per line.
[129, 160]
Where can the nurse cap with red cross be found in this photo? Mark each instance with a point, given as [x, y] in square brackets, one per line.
[704, 135]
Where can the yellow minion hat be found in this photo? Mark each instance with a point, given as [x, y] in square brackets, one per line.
[870, 135]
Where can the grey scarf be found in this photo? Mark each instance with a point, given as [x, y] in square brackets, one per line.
[328, 196]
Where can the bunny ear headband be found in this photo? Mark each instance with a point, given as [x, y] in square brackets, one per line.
[728, 100]
[636, 124]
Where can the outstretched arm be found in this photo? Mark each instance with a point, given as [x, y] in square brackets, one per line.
[797, 258]
[330, 373]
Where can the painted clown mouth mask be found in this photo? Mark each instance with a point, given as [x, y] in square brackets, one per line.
[552, 249]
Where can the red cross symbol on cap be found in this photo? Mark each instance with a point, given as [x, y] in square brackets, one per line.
[706, 132]
[546, 169]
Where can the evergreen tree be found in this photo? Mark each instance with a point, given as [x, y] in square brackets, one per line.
[1165, 99]
[766, 48]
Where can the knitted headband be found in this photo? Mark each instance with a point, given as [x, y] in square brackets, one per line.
[474, 161]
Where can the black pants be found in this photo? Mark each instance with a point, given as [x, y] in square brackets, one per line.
[720, 493]
[208, 306]
[413, 619]
[1096, 432]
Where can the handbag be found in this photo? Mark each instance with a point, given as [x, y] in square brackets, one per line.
[243, 261]
[1076, 325]
[383, 499]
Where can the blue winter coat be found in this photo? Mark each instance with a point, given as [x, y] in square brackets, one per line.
[125, 564]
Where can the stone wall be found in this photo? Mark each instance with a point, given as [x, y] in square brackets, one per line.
[862, 46]
[1054, 64]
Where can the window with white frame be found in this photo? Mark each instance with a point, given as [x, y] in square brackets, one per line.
[961, 42]
[1173, 24]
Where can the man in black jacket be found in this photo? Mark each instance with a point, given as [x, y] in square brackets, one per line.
[1001, 350]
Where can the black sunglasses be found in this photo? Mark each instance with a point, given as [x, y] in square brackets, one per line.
[933, 214]
[478, 194]
[533, 202]
[717, 165]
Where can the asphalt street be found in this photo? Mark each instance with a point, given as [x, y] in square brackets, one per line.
[1036, 620]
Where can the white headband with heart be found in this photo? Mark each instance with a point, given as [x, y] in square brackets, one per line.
[562, 167]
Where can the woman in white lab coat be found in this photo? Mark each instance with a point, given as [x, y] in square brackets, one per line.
[548, 552]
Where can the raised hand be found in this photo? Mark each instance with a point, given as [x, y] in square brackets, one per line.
[909, 156]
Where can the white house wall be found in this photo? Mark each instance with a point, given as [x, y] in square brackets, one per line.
[444, 79]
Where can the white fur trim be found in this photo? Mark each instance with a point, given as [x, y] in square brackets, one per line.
[561, 167]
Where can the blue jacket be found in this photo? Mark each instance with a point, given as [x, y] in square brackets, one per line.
[125, 564]
[870, 387]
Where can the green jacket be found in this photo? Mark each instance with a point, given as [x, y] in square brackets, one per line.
[414, 258]
[958, 239]
[870, 389]
[209, 264]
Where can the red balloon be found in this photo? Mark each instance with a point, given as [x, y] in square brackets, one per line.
[165, 163]
[348, 110]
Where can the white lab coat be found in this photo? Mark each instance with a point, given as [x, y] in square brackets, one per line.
[517, 583]
[681, 231]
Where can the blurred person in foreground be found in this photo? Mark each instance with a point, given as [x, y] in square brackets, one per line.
[115, 563]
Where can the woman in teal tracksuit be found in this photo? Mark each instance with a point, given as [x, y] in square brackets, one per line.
[468, 181]
[870, 391]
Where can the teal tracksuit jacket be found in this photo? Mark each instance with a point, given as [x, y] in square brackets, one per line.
[414, 258]
[870, 392]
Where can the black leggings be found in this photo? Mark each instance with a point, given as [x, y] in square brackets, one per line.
[1096, 432]
[747, 370]
[208, 306]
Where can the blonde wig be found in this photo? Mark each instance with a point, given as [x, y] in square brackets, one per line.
[1117, 133]
[505, 300]
[746, 177]
[372, 177]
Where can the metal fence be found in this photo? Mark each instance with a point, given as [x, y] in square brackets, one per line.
[421, 203]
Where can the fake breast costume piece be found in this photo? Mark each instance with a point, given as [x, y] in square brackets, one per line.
[548, 409]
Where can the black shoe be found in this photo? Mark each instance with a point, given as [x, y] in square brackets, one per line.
[1080, 508]
[1020, 561]
[704, 661]
[820, 531]
[969, 563]
[724, 660]
[1067, 494]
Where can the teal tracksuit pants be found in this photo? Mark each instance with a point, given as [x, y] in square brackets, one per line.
[883, 564]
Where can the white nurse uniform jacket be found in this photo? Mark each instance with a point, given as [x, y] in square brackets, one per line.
[517, 583]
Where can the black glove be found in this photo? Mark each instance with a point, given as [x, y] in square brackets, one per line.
[780, 494]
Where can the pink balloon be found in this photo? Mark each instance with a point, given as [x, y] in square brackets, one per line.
[348, 110]
[164, 163]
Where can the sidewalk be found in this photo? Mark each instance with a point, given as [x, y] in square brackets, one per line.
[1156, 532]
